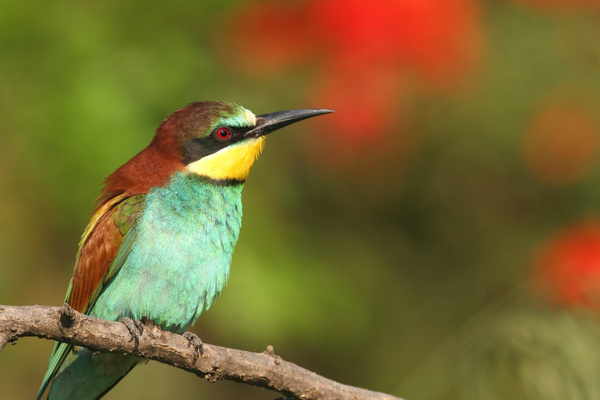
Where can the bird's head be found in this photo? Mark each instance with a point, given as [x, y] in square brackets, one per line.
[216, 140]
[222, 140]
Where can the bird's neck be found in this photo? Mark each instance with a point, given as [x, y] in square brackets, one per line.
[152, 167]
[187, 195]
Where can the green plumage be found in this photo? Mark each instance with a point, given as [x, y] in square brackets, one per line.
[184, 235]
[184, 239]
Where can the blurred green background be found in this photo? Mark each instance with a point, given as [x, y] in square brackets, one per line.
[391, 247]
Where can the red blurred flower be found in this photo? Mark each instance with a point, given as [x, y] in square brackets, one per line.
[439, 38]
[568, 266]
[367, 51]
[561, 143]
[363, 103]
[267, 37]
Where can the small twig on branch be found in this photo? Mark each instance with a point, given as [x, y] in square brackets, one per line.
[216, 363]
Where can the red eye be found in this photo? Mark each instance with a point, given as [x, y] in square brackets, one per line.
[223, 133]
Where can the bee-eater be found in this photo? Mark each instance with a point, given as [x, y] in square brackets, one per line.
[159, 244]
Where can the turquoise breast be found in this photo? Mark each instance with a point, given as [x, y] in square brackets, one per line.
[180, 255]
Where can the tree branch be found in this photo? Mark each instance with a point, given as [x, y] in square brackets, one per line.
[216, 363]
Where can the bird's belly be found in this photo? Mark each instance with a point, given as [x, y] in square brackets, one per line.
[169, 276]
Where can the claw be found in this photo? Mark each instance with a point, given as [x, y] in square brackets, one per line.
[135, 328]
[194, 340]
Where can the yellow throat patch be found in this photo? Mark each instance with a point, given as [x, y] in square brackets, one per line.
[233, 162]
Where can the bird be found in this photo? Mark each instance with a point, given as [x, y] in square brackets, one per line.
[159, 244]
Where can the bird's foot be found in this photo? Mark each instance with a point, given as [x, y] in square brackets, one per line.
[135, 328]
[194, 340]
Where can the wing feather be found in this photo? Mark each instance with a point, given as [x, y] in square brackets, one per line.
[104, 246]
[98, 247]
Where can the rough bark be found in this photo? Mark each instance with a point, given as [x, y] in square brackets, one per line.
[215, 363]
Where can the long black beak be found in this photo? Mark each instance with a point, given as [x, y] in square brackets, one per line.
[268, 123]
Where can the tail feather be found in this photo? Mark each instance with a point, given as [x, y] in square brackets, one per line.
[86, 376]
[57, 357]
[113, 385]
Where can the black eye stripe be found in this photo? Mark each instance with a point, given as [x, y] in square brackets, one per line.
[197, 148]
